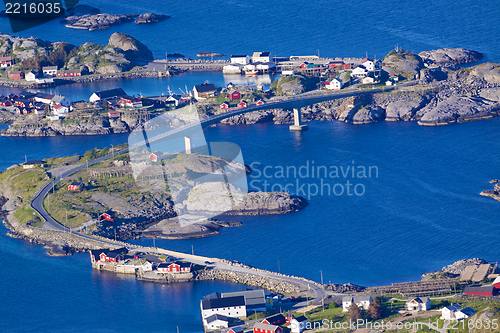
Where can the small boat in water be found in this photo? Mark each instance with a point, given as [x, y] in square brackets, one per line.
[251, 72]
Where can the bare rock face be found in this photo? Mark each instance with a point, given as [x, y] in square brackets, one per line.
[249, 118]
[454, 109]
[489, 72]
[256, 203]
[150, 18]
[403, 110]
[491, 94]
[450, 57]
[96, 21]
[367, 115]
[132, 47]
[404, 64]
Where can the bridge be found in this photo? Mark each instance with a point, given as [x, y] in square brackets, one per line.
[290, 103]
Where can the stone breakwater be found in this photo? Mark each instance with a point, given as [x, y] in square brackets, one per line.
[197, 65]
[264, 282]
[136, 74]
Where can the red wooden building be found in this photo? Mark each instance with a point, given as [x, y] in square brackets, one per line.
[277, 319]
[175, 267]
[234, 94]
[5, 62]
[69, 73]
[76, 186]
[266, 328]
[480, 291]
[107, 216]
[260, 102]
[5, 103]
[156, 156]
[242, 104]
[16, 75]
[346, 66]
[114, 114]
[225, 105]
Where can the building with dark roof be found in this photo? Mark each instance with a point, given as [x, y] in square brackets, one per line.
[204, 90]
[107, 94]
[229, 306]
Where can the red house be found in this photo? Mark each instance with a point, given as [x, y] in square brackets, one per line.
[5, 62]
[242, 104]
[260, 102]
[496, 283]
[154, 157]
[346, 66]
[69, 73]
[114, 114]
[16, 75]
[225, 105]
[115, 256]
[76, 186]
[265, 328]
[277, 319]
[98, 255]
[234, 94]
[5, 103]
[175, 267]
[26, 111]
[480, 291]
[107, 216]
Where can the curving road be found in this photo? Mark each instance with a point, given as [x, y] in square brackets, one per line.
[296, 102]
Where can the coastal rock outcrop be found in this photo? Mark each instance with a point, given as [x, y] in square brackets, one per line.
[256, 203]
[489, 72]
[150, 18]
[250, 118]
[369, 114]
[96, 21]
[404, 64]
[450, 57]
[404, 109]
[132, 47]
[454, 109]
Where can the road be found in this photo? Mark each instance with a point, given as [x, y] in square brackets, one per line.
[296, 102]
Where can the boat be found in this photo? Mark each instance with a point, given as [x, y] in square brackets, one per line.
[251, 72]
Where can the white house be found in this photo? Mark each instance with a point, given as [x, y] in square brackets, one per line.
[53, 117]
[49, 71]
[359, 72]
[262, 57]
[232, 69]
[418, 304]
[368, 80]
[369, 64]
[228, 306]
[58, 99]
[39, 112]
[43, 98]
[30, 76]
[362, 301]
[216, 321]
[265, 66]
[147, 266]
[240, 59]
[455, 312]
[297, 325]
[60, 110]
[335, 84]
[284, 73]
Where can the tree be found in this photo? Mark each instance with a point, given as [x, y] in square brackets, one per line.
[332, 305]
[354, 313]
[375, 309]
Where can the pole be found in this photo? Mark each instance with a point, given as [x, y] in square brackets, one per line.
[322, 298]
[154, 245]
[192, 250]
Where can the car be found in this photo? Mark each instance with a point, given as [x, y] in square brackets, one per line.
[3, 109]
[207, 262]
[406, 314]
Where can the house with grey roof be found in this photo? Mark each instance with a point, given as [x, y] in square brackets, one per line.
[362, 301]
[418, 304]
[228, 306]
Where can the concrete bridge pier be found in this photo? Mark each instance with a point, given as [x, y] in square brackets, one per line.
[297, 126]
[188, 145]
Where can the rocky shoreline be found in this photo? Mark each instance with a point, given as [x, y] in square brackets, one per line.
[495, 193]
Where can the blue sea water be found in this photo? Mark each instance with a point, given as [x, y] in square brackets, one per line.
[423, 210]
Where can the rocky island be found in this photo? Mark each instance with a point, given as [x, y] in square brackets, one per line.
[140, 207]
